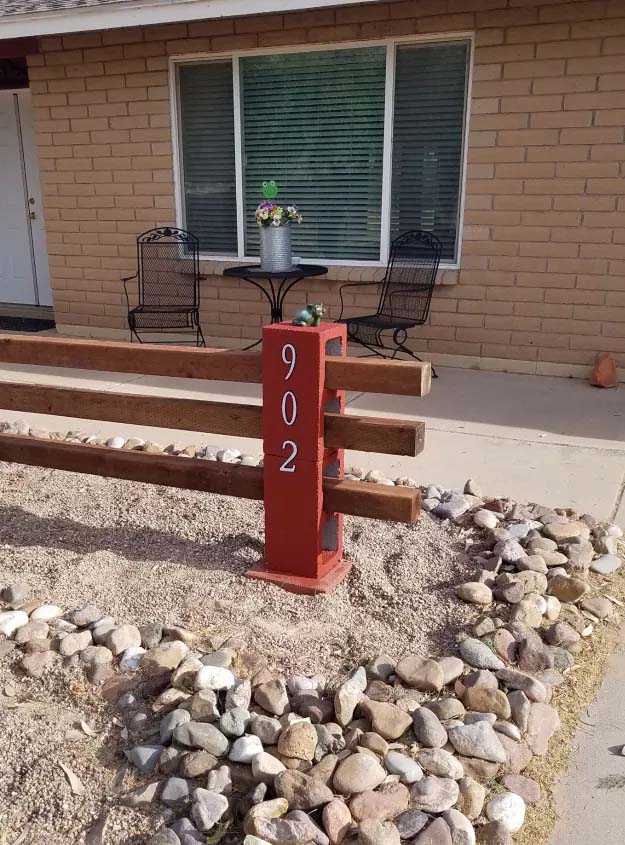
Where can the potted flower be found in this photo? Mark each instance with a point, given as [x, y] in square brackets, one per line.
[274, 223]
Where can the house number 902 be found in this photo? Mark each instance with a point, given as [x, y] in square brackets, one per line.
[289, 407]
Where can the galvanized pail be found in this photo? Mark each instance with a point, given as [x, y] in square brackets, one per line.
[275, 248]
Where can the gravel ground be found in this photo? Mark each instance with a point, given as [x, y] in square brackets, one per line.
[145, 553]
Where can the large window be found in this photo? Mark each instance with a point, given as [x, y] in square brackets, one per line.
[365, 156]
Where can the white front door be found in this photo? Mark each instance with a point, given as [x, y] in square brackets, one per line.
[24, 276]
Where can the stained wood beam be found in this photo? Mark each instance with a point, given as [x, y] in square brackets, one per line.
[399, 504]
[367, 434]
[364, 375]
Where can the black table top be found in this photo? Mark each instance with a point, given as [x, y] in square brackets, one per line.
[255, 271]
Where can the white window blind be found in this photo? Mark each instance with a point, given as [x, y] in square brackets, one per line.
[208, 161]
[428, 137]
[314, 122]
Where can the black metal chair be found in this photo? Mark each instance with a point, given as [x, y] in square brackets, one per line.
[405, 296]
[168, 278]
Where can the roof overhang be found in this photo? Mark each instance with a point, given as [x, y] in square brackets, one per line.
[145, 12]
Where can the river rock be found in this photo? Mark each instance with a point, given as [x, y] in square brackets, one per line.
[208, 808]
[380, 668]
[274, 809]
[478, 740]
[509, 550]
[304, 792]
[144, 757]
[508, 809]
[272, 696]
[561, 634]
[446, 708]
[374, 832]
[606, 564]
[176, 793]
[266, 728]
[515, 680]
[485, 519]
[520, 706]
[568, 589]
[410, 823]
[358, 773]
[462, 832]
[265, 767]
[474, 592]
[599, 606]
[428, 729]
[421, 673]
[436, 833]
[472, 797]
[197, 763]
[409, 770]
[336, 820]
[239, 694]
[245, 748]
[214, 677]
[202, 735]
[452, 508]
[11, 620]
[478, 654]
[46, 613]
[494, 833]
[504, 645]
[203, 706]
[347, 698]
[452, 668]
[487, 701]
[234, 722]
[437, 761]
[384, 803]
[170, 722]
[434, 794]
[32, 631]
[119, 639]
[527, 788]
[386, 719]
[543, 722]
[34, 665]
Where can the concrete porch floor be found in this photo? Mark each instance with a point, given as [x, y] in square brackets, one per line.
[529, 437]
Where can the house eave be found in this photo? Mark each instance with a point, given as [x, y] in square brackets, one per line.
[141, 12]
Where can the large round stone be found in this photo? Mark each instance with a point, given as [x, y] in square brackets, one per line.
[421, 673]
[358, 773]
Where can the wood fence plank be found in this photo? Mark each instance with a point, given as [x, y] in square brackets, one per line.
[372, 375]
[376, 501]
[118, 357]
[403, 378]
[399, 504]
[367, 434]
[132, 408]
[374, 434]
[168, 470]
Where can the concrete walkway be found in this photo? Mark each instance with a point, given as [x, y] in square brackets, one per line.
[527, 437]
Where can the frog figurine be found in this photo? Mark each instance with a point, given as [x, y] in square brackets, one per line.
[309, 316]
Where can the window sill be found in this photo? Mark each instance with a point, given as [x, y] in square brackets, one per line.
[363, 272]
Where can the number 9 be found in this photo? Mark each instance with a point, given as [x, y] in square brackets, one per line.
[289, 357]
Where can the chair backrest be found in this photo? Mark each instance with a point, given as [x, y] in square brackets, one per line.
[169, 268]
[410, 276]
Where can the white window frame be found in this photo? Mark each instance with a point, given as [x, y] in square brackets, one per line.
[390, 44]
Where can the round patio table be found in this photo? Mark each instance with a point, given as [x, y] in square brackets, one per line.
[274, 286]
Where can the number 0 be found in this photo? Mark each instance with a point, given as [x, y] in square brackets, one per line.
[288, 465]
[289, 396]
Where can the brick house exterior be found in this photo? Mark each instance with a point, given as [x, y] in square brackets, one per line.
[541, 282]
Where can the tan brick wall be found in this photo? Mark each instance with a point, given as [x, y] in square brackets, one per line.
[542, 276]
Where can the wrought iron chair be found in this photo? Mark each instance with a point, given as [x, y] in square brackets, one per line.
[405, 296]
[168, 279]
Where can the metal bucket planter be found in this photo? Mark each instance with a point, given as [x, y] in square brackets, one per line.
[275, 248]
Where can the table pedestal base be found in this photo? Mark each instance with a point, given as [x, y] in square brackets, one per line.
[299, 583]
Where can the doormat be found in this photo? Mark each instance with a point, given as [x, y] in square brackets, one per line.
[25, 324]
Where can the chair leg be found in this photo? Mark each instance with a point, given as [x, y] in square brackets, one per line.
[402, 348]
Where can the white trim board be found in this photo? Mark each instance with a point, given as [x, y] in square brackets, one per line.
[126, 13]
[390, 45]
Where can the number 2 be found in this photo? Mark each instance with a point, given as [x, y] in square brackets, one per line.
[288, 465]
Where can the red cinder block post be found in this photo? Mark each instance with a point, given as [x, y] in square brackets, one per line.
[303, 543]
